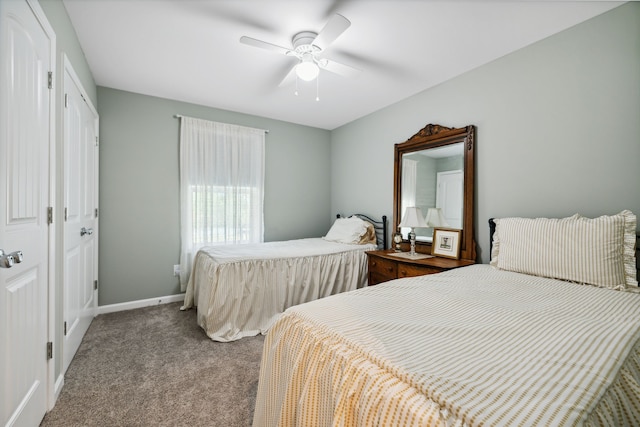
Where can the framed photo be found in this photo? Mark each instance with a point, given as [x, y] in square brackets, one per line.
[446, 243]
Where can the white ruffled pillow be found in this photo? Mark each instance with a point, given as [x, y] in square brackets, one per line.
[598, 251]
[347, 230]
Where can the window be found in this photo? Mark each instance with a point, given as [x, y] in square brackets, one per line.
[221, 187]
[221, 214]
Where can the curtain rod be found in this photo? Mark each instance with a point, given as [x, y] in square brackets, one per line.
[177, 116]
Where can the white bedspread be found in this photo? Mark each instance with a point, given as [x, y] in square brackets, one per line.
[241, 290]
[470, 347]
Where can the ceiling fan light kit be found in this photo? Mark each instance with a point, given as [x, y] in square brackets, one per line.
[307, 69]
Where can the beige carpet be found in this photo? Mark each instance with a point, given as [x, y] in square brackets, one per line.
[155, 366]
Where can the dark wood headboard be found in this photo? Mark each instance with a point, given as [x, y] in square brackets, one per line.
[379, 226]
[492, 229]
[638, 257]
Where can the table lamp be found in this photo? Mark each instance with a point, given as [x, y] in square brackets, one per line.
[435, 218]
[413, 218]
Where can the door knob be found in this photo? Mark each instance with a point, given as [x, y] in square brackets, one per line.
[18, 257]
[7, 260]
[84, 231]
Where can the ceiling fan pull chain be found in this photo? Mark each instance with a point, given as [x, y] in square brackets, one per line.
[318, 88]
[296, 92]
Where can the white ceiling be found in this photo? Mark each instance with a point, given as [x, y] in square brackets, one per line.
[189, 50]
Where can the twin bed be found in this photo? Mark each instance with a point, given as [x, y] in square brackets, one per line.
[241, 290]
[548, 334]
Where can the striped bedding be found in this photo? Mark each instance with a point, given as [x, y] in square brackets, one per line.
[474, 346]
[241, 290]
[596, 251]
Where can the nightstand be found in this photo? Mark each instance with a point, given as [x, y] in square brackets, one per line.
[384, 266]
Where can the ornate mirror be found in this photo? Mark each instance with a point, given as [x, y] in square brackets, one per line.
[434, 171]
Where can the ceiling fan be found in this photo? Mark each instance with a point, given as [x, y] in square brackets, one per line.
[308, 47]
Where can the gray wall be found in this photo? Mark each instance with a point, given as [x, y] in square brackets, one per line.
[66, 43]
[558, 129]
[139, 188]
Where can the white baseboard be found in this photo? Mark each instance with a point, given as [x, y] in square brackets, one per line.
[111, 308]
[57, 388]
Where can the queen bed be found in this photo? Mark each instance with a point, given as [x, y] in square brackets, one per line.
[241, 290]
[547, 334]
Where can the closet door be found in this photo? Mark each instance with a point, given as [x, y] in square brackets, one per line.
[27, 43]
[80, 214]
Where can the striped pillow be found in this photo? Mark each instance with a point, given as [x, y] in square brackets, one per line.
[598, 251]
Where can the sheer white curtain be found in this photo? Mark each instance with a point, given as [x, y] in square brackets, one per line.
[409, 180]
[221, 187]
[409, 185]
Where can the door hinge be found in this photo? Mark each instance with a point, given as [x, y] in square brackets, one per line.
[50, 79]
[66, 100]
[49, 215]
[96, 141]
[49, 350]
[96, 212]
[64, 327]
[65, 214]
[95, 285]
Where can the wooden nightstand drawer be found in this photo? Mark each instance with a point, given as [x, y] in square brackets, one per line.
[408, 270]
[384, 266]
[381, 270]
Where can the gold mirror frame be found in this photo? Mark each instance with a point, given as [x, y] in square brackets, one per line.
[434, 136]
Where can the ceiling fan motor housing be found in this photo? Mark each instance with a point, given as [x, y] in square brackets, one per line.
[305, 50]
[304, 38]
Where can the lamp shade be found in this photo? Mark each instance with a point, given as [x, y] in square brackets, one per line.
[413, 218]
[435, 218]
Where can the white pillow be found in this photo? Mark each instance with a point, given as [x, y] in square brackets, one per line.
[347, 230]
[598, 251]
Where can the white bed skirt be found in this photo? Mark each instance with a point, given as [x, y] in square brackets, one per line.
[241, 291]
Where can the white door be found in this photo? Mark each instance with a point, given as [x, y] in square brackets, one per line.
[449, 196]
[26, 44]
[80, 222]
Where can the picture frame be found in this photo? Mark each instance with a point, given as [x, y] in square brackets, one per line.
[446, 243]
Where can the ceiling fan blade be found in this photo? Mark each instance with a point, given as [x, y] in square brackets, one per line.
[263, 45]
[331, 31]
[340, 69]
[288, 79]
[370, 61]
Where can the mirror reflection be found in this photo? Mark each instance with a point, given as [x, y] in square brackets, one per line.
[433, 180]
